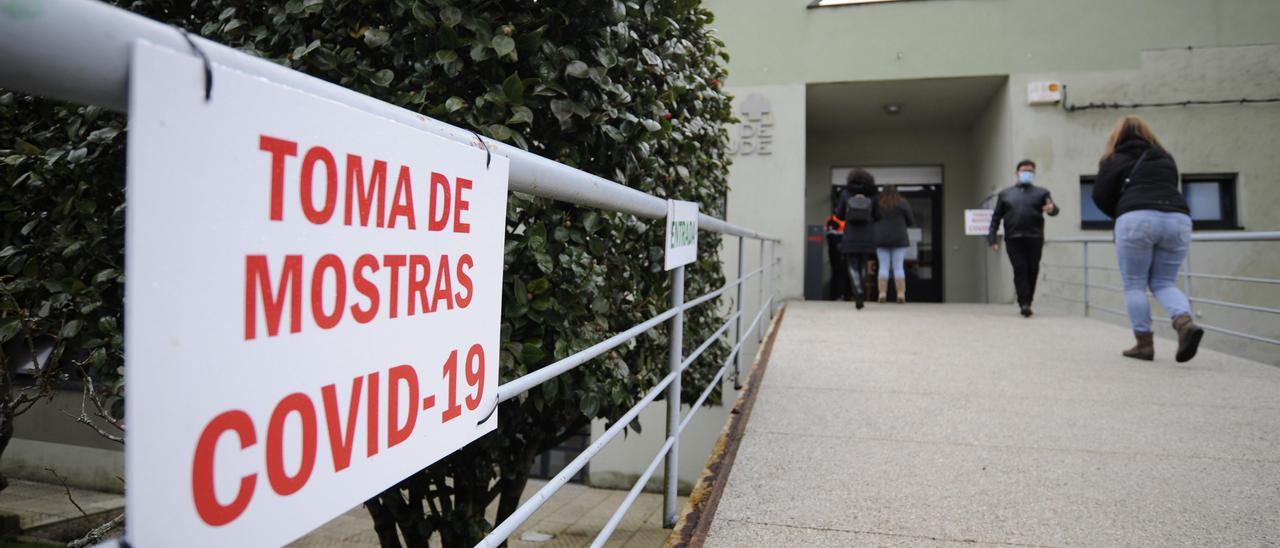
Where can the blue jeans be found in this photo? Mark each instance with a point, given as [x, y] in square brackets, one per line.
[1150, 247]
[891, 256]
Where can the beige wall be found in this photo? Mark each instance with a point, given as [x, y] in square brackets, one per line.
[1230, 138]
[46, 438]
[780, 41]
[993, 152]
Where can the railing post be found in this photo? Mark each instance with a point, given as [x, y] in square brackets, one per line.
[1086, 278]
[764, 278]
[773, 280]
[675, 355]
[1188, 275]
[737, 337]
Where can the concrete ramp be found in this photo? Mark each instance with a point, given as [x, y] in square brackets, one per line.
[940, 424]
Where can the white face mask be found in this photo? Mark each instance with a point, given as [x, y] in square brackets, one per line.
[1025, 177]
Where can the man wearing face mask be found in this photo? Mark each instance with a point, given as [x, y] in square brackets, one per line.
[1022, 207]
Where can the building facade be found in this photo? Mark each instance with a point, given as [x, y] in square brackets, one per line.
[938, 96]
[935, 95]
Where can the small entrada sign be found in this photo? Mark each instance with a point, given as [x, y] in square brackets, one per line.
[682, 233]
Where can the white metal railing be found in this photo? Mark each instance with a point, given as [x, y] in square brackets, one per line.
[1085, 268]
[78, 51]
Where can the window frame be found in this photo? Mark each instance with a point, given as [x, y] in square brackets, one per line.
[1105, 224]
[1227, 199]
[1228, 196]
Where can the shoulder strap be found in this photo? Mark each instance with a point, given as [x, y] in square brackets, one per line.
[1133, 170]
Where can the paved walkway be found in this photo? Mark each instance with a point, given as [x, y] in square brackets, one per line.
[946, 424]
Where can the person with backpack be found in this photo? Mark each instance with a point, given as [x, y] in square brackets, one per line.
[1137, 186]
[892, 242]
[860, 210]
[1022, 208]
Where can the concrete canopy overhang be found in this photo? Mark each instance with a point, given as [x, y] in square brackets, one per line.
[936, 103]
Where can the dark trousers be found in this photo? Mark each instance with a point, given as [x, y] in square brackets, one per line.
[1024, 254]
[857, 263]
[839, 271]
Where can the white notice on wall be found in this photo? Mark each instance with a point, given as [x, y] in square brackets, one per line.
[977, 222]
[313, 304]
[682, 233]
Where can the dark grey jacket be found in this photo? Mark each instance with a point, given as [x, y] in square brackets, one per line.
[859, 238]
[891, 230]
[1020, 207]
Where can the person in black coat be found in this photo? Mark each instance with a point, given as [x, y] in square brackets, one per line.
[1137, 186]
[840, 290]
[860, 210]
[1022, 208]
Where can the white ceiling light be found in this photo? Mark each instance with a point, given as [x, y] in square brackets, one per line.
[892, 108]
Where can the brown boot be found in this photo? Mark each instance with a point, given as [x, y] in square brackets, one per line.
[901, 286]
[883, 285]
[1189, 335]
[1144, 350]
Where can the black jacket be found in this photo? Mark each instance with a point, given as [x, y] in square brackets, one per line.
[859, 238]
[1154, 185]
[1021, 209]
[891, 230]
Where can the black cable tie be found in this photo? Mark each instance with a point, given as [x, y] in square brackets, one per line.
[491, 410]
[488, 156]
[208, 67]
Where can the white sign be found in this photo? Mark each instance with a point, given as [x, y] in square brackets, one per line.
[682, 233]
[914, 235]
[977, 222]
[1044, 93]
[313, 304]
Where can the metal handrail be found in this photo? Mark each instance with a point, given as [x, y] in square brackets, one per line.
[1261, 236]
[638, 486]
[1235, 305]
[526, 510]
[517, 386]
[1085, 267]
[93, 68]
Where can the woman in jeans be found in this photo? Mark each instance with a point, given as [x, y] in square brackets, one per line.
[892, 241]
[1137, 186]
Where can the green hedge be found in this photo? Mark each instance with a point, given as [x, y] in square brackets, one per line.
[628, 91]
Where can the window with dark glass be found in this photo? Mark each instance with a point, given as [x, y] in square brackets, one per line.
[1211, 198]
[1091, 218]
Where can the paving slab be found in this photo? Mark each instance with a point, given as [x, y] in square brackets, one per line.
[928, 424]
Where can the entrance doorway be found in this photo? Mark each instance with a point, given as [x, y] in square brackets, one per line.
[922, 187]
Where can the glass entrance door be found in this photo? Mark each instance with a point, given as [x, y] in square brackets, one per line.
[922, 187]
[924, 262]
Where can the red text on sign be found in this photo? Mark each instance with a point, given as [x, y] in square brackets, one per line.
[338, 418]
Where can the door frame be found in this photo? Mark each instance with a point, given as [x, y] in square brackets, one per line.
[939, 211]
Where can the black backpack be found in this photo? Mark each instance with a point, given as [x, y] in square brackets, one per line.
[857, 209]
